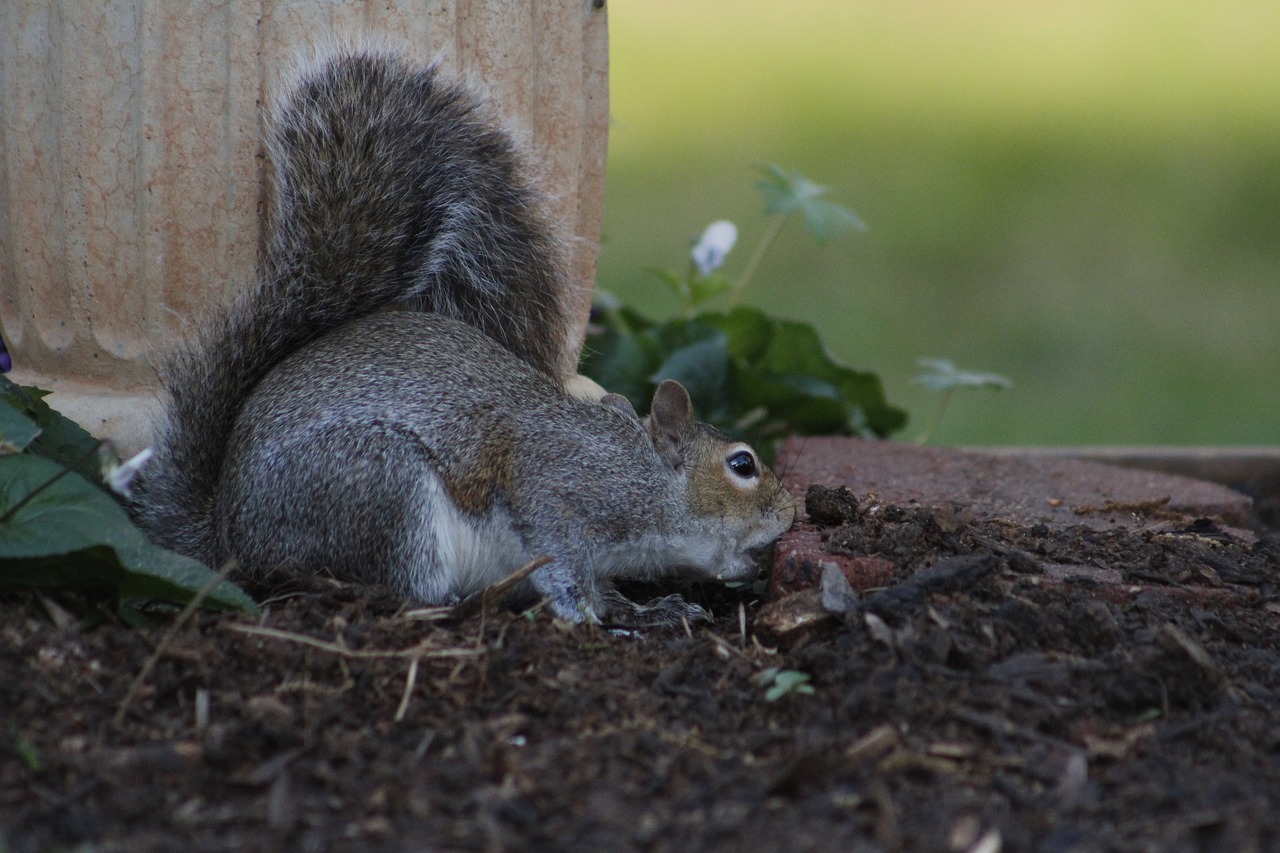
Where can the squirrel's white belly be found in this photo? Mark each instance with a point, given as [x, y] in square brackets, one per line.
[461, 553]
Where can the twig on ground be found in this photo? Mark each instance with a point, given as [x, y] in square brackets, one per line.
[415, 652]
[410, 680]
[497, 592]
[415, 655]
[725, 649]
[196, 600]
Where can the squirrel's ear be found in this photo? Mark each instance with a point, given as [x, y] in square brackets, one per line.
[670, 414]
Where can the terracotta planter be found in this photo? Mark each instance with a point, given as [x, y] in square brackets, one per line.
[132, 180]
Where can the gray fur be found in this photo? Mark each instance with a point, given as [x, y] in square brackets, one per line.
[385, 401]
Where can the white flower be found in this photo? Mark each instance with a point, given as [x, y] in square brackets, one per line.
[714, 246]
[119, 475]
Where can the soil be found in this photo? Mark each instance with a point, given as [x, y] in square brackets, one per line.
[996, 693]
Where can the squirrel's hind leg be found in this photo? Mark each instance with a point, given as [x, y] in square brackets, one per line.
[360, 503]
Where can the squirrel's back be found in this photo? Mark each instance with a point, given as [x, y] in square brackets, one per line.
[392, 189]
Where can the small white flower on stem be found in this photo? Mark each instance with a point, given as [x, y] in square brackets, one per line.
[119, 476]
[714, 246]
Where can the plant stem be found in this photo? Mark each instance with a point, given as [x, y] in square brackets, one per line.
[937, 417]
[686, 291]
[775, 228]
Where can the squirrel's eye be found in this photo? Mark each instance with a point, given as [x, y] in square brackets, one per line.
[743, 464]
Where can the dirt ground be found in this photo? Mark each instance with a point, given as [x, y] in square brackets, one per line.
[994, 695]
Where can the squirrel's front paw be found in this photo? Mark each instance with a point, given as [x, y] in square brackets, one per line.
[667, 610]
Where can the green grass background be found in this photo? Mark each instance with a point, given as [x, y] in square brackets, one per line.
[1083, 195]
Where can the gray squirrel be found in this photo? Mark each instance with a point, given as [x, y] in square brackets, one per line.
[387, 401]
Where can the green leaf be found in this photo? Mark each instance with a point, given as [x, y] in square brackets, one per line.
[705, 369]
[797, 353]
[17, 429]
[704, 288]
[796, 348]
[749, 331]
[784, 681]
[67, 516]
[153, 573]
[695, 356]
[622, 363]
[766, 676]
[677, 334]
[791, 192]
[942, 375]
[27, 751]
[800, 405]
[72, 535]
[61, 439]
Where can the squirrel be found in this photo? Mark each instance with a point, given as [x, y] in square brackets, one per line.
[390, 398]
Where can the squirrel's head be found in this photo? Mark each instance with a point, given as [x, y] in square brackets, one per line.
[736, 504]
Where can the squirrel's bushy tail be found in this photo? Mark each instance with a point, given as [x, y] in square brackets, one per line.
[392, 188]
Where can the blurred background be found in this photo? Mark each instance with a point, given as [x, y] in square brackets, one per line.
[1081, 195]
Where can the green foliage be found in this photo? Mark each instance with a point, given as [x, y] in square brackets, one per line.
[782, 682]
[694, 290]
[29, 754]
[943, 377]
[752, 375]
[61, 529]
[23, 412]
[16, 430]
[1025, 209]
[789, 192]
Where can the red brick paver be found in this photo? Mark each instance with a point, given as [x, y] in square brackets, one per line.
[1027, 490]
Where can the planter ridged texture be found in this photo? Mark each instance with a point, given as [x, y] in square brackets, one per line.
[133, 185]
